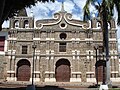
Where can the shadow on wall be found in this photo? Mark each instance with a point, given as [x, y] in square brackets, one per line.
[37, 88]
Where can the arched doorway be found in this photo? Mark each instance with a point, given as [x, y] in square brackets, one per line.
[100, 70]
[23, 70]
[62, 71]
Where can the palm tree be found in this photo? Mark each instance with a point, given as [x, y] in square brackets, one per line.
[105, 10]
[9, 8]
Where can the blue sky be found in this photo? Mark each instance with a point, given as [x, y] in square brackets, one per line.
[46, 10]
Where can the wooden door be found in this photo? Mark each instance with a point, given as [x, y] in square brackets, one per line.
[2, 42]
[100, 71]
[63, 71]
[23, 71]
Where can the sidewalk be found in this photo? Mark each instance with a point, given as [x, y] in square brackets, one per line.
[65, 85]
[60, 84]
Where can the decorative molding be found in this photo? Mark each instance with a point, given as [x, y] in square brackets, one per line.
[112, 39]
[59, 17]
[36, 38]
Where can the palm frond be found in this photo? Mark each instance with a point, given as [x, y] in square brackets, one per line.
[111, 3]
[117, 5]
[86, 10]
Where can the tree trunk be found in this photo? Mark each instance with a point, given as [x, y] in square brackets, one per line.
[2, 6]
[7, 7]
[106, 41]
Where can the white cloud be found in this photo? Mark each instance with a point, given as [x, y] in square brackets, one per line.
[118, 38]
[80, 3]
[43, 10]
[69, 6]
[92, 9]
[78, 16]
[119, 45]
[46, 10]
[5, 24]
[118, 28]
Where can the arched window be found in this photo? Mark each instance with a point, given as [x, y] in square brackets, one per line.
[16, 24]
[26, 24]
[98, 25]
[63, 36]
[109, 25]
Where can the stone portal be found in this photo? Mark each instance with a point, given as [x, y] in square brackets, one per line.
[62, 71]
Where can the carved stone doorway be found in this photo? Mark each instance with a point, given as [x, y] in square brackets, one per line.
[23, 70]
[62, 71]
[100, 70]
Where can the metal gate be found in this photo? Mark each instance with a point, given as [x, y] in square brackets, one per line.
[62, 71]
[23, 70]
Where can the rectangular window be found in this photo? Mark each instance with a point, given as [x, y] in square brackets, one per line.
[2, 42]
[88, 35]
[101, 49]
[62, 47]
[112, 35]
[24, 49]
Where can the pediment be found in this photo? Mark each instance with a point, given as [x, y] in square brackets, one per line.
[62, 17]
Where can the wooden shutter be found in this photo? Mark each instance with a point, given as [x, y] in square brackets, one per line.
[2, 43]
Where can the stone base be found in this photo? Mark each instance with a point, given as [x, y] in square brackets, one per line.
[115, 79]
[75, 79]
[11, 79]
[50, 80]
[103, 87]
[93, 80]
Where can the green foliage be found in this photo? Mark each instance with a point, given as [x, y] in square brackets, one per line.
[105, 5]
[13, 6]
[9, 8]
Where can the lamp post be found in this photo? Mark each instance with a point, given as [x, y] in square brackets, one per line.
[103, 86]
[11, 57]
[5, 73]
[32, 87]
[104, 71]
[33, 46]
[96, 49]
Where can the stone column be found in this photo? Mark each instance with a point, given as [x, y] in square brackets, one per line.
[83, 74]
[15, 72]
[42, 73]
[3, 71]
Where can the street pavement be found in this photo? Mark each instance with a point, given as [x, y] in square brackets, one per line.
[53, 86]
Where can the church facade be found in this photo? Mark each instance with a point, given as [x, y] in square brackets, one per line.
[62, 49]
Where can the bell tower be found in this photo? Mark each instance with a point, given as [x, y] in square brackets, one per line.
[22, 20]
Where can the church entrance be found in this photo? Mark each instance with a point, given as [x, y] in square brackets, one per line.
[100, 70]
[23, 70]
[62, 71]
